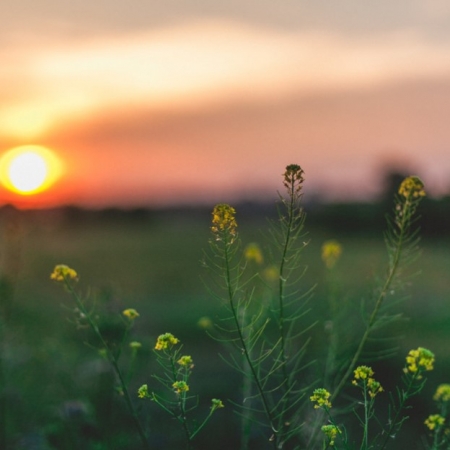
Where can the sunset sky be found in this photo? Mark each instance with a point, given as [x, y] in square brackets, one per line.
[167, 102]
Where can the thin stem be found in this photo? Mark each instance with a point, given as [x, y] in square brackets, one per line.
[392, 270]
[114, 362]
[244, 345]
[403, 398]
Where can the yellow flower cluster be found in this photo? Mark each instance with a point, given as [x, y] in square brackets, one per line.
[434, 421]
[331, 251]
[224, 221]
[412, 187]
[130, 313]
[61, 272]
[253, 253]
[216, 404]
[186, 361]
[442, 393]
[320, 397]
[365, 374]
[331, 432]
[180, 386]
[143, 391]
[419, 360]
[166, 341]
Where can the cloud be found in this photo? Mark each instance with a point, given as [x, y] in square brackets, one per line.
[197, 65]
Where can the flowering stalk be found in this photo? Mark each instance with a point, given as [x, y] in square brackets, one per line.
[417, 363]
[224, 230]
[177, 370]
[69, 277]
[409, 195]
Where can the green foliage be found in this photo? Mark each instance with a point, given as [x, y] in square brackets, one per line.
[299, 359]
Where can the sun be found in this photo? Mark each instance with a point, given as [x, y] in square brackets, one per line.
[29, 169]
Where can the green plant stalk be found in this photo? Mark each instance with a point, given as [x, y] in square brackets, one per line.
[365, 440]
[181, 403]
[403, 399]
[379, 302]
[244, 345]
[282, 281]
[112, 358]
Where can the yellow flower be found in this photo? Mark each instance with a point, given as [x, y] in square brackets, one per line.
[180, 386]
[61, 272]
[205, 323]
[321, 396]
[253, 253]
[135, 345]
[363, 372]
[442, 393]
[216, 404]
[331, 251]
[224, 222]
[143, 391]
[434, 421]
[374, 387]
[412, 187]
[271, 273]
[331, 431]
[419, 360]
[186, 361]
[130, 313]
[165, 341]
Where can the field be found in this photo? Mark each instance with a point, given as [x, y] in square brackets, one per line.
[58, 393]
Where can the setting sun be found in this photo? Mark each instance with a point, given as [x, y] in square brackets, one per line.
[29, 169]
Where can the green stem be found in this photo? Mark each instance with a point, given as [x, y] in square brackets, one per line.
[114, 362]
[392, 270]
[244, 345]
[404, 397]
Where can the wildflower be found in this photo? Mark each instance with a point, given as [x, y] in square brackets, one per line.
[331, 431]
[442, 393]
[186, 361]
[224, 222]
[216, 404]
[205, 323]
[374, 387]
[180, 386]
[253, 253]
[143, 391]
[419, 360]
[271, 273]
[412, 187]
[321, 396]
[293, 178]
[130, 313]
[434, 421]
[165, 341]
[331, 251]
[365, 374]
[135, 345]
[61, 272]
[362, 372]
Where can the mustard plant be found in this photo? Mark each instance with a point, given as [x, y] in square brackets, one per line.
[265, 330]
[176, 373]
[68, 277]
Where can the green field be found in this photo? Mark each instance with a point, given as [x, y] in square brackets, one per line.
[59, 394]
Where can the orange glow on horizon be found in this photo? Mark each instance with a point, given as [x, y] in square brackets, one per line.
[29, 169]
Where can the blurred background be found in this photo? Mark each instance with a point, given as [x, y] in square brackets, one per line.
[159, 110]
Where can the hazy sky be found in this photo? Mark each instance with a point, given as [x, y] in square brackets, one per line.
[149, 101]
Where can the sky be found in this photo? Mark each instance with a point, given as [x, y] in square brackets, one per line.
[155, 103]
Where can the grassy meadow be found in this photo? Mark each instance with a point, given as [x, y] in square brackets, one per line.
[59, 393]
